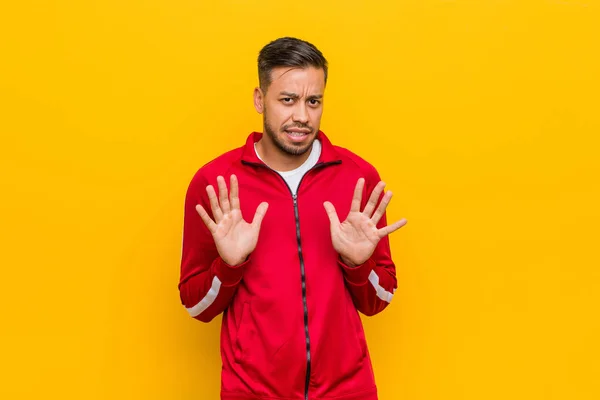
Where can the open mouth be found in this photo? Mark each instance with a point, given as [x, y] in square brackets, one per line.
[297, 136]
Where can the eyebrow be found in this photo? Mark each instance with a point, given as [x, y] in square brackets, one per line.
[296, 96]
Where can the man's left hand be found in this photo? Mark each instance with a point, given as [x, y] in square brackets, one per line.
[355, 239]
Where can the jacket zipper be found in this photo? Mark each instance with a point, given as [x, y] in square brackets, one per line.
[304, 301]
[300, 255]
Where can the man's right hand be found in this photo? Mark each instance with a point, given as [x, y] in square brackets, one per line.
[234, 237]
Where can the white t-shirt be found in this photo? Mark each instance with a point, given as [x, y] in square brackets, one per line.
[294, 176]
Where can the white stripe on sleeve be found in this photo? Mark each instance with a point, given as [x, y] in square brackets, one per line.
[207, 300]
[381, 292]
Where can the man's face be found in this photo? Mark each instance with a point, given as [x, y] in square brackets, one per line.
[292, 108]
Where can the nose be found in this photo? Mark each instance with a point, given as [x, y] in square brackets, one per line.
[300, 114]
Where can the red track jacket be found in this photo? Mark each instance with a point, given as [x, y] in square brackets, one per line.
[290, 328]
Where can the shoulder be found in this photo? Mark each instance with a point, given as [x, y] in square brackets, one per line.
[208, 173]
[363, 167]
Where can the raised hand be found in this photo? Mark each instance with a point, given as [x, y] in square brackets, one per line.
[234, 237]
[355, 239]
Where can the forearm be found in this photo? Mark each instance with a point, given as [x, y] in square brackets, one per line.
[206, 294]
[371, 285]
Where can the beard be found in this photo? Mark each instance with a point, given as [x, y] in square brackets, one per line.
[294, 149]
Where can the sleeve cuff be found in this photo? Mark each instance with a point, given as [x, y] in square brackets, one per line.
[358, 275]
[229, 275]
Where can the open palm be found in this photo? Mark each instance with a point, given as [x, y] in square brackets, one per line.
[234, 238]
[355, 239]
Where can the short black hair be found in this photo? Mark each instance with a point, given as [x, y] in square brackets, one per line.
[288, 52]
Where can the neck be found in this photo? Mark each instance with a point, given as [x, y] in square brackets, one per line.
[278, 159]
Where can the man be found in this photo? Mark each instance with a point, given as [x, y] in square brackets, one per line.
[289, 281]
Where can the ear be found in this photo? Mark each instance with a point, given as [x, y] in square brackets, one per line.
[258, 100]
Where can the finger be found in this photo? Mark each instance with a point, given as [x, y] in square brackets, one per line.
[331, 213]
[392, 228]
[382, 206]
[234, 193]
[223, 199]
[356, 200]
[212, 227]
[261, 210]
[214, 203]
[374, 199]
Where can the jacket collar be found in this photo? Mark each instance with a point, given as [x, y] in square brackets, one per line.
[328, 152]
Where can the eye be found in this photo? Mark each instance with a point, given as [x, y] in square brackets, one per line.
[314, 102]
[287, 100]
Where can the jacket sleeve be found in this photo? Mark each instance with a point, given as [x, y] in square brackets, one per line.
[372, 285]
[207, 283]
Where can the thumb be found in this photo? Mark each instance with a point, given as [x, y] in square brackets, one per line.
[261, 210]
[331, 213]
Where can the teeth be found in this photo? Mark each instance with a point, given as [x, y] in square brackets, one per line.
[297, 134]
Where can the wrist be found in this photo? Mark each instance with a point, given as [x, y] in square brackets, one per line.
[235, 262]
[348, 262]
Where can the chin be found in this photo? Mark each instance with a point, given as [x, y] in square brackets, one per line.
[296, 149]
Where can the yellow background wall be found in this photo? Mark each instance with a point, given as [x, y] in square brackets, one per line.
[482, 116]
